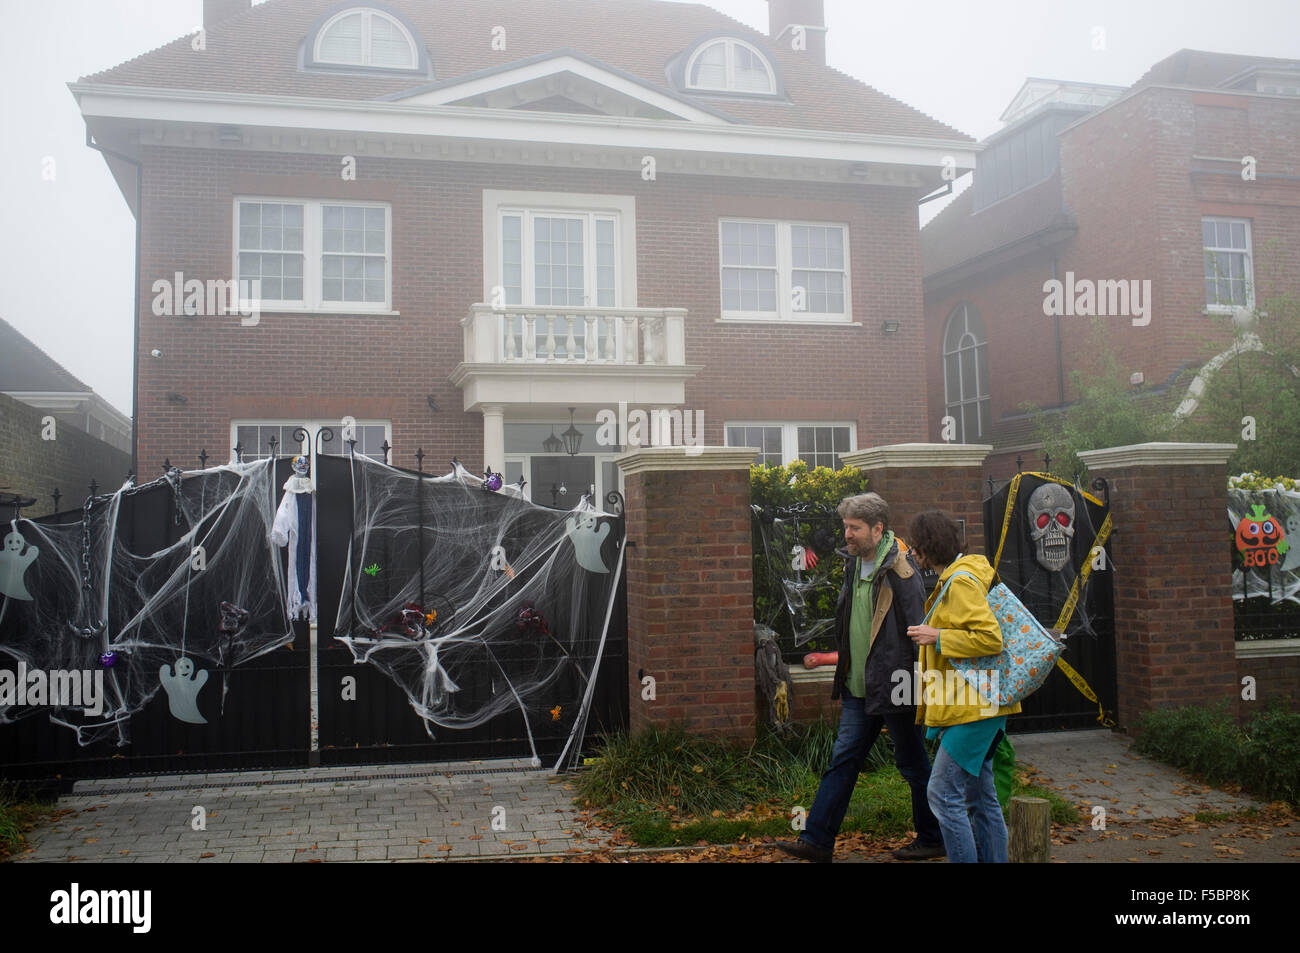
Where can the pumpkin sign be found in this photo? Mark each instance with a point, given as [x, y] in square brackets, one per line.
[1260, 539]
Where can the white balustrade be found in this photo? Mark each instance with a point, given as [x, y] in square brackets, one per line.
[546, 335]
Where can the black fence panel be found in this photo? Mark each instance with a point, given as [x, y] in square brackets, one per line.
[257, 712]
[1090, 643]
[377, 723]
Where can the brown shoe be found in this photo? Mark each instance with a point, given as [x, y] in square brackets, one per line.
[918, 851]
[806, 851]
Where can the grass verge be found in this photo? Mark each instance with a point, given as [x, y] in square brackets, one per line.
[666, 788]
[18, 813]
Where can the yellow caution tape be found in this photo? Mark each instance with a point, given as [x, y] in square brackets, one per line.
[1072, 600]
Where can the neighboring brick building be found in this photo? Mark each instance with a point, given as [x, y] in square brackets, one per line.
[56, 433]
[1108, 184]
[468, 218]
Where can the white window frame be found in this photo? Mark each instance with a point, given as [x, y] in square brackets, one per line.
[311, 426]
[730, 87]
[785, 275]
[313, 234]
[528, 274]
[367, 16]
[498, 203]
[983, 388]
[790, 434]
[1249, 269]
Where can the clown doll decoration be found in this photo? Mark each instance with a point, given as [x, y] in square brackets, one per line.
[295, 527]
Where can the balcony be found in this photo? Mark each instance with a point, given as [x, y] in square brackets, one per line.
[518, 355]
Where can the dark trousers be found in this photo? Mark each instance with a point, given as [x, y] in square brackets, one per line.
[857, 733]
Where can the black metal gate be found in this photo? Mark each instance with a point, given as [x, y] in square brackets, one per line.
[261, 714]
[1087, 573]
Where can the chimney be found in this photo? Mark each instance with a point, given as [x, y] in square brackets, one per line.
[215, 11]
[799, 25]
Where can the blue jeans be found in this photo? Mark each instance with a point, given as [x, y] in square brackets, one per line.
[968, 812]
[857, 733]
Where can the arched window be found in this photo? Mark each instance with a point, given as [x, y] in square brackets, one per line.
[730, 65]
[966, 374]
[365, 37]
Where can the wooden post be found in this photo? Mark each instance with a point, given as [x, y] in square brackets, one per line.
[1029, 831]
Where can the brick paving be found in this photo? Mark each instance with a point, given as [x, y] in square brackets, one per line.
[1098, 768]
[369, 813]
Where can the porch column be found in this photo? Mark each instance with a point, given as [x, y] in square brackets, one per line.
[494, 437]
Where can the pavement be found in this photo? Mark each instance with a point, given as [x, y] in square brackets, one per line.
[451, 811]
[497, 810]
[1136, 810]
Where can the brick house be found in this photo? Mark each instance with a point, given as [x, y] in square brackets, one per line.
[468, 218]
[1104, 183]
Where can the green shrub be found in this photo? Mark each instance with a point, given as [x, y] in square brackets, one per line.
[1263, 758]
[1271, 755]
[773, 487]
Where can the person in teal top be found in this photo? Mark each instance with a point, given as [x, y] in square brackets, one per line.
[959, 625]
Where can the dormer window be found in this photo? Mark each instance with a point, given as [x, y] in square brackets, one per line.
[366, 38]
[730, 65]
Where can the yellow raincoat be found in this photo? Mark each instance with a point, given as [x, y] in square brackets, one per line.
[967, 629]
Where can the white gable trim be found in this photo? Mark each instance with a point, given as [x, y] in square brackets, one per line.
[554, 66]
[301, 116]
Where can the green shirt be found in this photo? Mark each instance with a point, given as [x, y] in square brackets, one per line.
[860, 614]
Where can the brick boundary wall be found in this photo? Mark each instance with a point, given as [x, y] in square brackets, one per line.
[1277, 677]
[913, 477]
[35, 467]
[1174, 634]
[690, 594]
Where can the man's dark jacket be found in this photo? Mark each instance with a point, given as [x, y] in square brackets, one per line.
[899, 600]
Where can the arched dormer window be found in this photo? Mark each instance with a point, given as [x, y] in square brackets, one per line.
[728, 64]
[365, 38]
[966, 374]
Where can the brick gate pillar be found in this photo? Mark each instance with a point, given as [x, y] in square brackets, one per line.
[913, 477]
[690, 614]
[1174, 640]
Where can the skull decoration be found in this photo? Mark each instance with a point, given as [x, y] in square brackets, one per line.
[1051, 525]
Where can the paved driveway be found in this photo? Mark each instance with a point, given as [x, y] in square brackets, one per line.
[451, 811]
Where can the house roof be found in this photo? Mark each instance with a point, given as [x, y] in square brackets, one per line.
[24, 367]
[257, 52]
[1206, 70]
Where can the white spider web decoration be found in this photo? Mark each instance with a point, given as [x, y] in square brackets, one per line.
[437, 602]
[149, 609]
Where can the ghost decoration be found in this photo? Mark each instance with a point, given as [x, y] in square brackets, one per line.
[1292, 561]
[183, 690]
[13, 564]
[1051, 525]
[587, 533]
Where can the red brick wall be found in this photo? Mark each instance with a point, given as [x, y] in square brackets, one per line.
[957, 490]
[329, 366]
[1127, 177]
[1173, 602]
[690, 600]
[1277, 680]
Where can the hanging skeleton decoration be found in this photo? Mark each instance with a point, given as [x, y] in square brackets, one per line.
[1051, 525]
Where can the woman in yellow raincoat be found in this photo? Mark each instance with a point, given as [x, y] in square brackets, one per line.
[961, 791]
